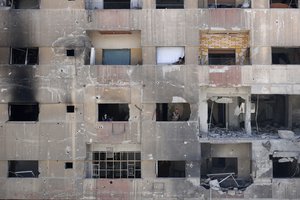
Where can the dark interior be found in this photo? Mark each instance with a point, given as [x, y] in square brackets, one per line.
[116, 4]
[26, 4]
[70, 109]
[288, 56]
[171, 4]
[70, 52]
[173, 111]
[22, 168]
[24, 56]
[173, 169]
[283, 169]
[284, 3]
[113, 112]
[221, 57]
[23, 112]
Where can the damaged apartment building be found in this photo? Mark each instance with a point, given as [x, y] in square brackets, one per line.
[150, 99]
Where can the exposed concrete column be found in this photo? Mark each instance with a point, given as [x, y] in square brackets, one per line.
[149, 4]
[191, 55]
[203, 110]
[248, 114]
[261, 56]
[233, 120]
[188, 4]
[289, 106]
[149, 55]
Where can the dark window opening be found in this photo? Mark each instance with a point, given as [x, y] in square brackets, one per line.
[222, 165]
[116, 164]
[283, 3]
[270, 113]
[286, 168]
[174, 169]
[173, 111]
[221, 3]
[116, 57]
[5, 3]
[226, 112]
[116, 4]
[26, 4]
[221, 57]
[69, 165]
[70, 109]
[289, 56]
[23, 169]
[25, 56]
[171, 4]
[113, 112]
[23, 112]
[70, 52]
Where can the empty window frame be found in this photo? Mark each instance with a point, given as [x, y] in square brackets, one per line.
[170, 55]
[26, 4]
[116, 164]
[170, 4]
[116, 57]
[283, 3]
[23, 169]
[23, 112]
[270, 112]
[227, 3]
[286, 167]
[221, 57]
[70, 109]
[289, 56]
[113, 112]
[68, 165]
[70, 52]
[223, 165]
[173, 111]
[173, 169]
[24, 56]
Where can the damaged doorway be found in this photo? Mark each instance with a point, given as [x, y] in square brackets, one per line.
[226, 113]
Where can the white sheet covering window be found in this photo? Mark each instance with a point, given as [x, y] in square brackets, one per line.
[168, 55]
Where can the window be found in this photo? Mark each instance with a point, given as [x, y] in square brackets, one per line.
[116, 56]
[70, 52]
[5, 3]
[24, 56]
[173, 111]
[174, 4]
[221, 57]
[116, 4]
[289, 56]
[68, 165]
[26, 4]
[170, 55]
[23, 169]
[108, 164]
[223, 165]
[283, 3]
[23, 112]
[113, 112]
[174, 169]
[70, 109]
[286, 167]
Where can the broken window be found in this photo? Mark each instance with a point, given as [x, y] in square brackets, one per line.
[285, 167]
[221, 57]
[116, 57]
[173, 111]
[170, 55]
[70, 52]
[226, 112]
[23, 112]
[170, 4]
[24, 56]
[70, 109]
[23, 169]
[174, 169]
[270, 113]
[226, 166]
[5, 3]
[109, 164]
[26, 4]
[289, 56]
[283, 3]
[113, 112]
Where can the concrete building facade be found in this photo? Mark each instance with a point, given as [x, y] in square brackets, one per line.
[149, 99]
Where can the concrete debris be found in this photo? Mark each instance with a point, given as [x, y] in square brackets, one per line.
[214, 185]
[267, 145]
[283, 160]
[286, 134]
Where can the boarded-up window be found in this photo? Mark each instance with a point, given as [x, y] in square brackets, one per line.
[170, 55]
[116, 57]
